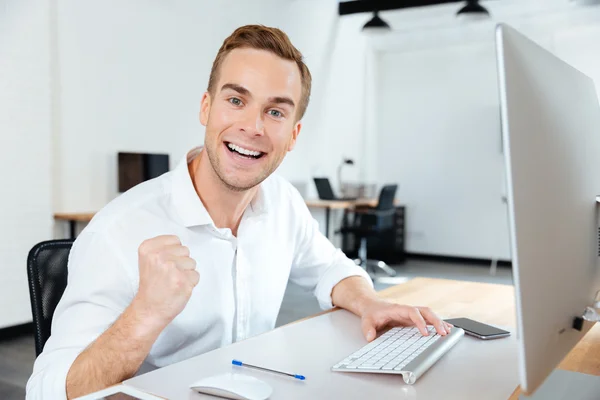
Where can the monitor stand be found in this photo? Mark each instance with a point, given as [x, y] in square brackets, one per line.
[570, 385]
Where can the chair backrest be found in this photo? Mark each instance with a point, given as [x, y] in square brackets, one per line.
[386, 197]
[324, 189]
[47, 275]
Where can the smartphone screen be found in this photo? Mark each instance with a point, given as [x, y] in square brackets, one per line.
[478, 329]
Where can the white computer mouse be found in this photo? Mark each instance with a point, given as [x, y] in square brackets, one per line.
[233, 386]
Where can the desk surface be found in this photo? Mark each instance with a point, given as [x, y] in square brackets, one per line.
[316, 203]
[333, 335]
[79, 217]
[480, 302]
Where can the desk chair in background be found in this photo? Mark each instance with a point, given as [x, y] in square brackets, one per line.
[47, 276]
[369, 222]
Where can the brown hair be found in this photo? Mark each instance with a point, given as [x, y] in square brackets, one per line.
[264, 38]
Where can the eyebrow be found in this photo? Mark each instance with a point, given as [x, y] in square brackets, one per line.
[245, 92]
[237, 88]
[282, 100]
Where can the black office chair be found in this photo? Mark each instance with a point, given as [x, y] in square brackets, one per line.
[369, 222]
[47, 275]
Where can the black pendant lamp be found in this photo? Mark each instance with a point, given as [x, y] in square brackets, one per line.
[473, 8]
[376, 24]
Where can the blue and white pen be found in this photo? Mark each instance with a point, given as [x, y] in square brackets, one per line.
[241, 364]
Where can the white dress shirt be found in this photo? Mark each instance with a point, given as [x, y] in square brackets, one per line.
[242, 279]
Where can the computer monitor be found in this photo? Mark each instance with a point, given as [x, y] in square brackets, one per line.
[551, 139]
[135, 168]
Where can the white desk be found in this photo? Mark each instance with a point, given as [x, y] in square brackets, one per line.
[473, 369]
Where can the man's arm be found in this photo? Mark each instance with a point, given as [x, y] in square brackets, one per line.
[115, 356]
[337, 280]
[356, 295]
[167, 278]
[317, 265]
[102, 331]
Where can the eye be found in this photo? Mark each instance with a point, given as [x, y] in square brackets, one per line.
[275, 113]
[235, 101]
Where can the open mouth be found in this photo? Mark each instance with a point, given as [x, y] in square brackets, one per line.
[242, 152]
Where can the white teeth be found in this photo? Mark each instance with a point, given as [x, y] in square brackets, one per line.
[241, 150]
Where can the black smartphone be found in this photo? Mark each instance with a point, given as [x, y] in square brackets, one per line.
[478, 329]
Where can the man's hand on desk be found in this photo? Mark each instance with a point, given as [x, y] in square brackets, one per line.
[381, 314]
[357, 296]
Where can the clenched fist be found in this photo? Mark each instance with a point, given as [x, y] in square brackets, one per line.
[167, 277]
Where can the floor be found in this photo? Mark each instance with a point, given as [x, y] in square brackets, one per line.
[16, 362]
[17, 354]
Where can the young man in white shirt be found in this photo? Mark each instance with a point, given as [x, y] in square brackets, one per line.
[200, 257]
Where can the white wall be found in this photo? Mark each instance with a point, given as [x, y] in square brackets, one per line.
[25, 131]
[439, 138]
[438, 124]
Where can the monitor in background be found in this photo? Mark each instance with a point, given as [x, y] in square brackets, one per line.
[325, 191]
[135, 168]
[551, 134]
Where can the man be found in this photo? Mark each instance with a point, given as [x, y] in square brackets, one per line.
[200, 257]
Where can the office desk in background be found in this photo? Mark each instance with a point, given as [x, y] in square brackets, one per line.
[473, 369]
[74, 218]
[328, 205]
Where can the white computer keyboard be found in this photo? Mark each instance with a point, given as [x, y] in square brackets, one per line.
[401, 350]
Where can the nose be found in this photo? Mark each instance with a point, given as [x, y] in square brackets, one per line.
[253, 123]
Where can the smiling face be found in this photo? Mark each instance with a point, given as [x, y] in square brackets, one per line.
[250, 118]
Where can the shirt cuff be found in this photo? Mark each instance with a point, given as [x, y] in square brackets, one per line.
[332, 277]
[51, 381]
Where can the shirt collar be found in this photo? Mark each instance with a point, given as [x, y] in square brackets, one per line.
[259, 204]
[187, 203]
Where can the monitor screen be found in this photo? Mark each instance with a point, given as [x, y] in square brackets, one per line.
[135, 168]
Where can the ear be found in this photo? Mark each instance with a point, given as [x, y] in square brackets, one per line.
[205, 108]
[295, 134]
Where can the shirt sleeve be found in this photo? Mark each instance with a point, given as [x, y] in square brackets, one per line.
[98, 291]
[318, 265]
